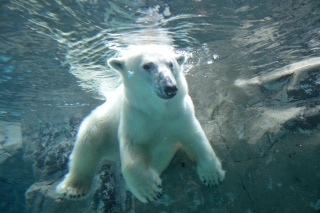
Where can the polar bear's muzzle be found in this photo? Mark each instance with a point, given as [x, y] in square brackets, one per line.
[171, 91]
[166, 87]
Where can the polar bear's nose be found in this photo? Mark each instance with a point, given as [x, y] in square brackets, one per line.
[171, 90]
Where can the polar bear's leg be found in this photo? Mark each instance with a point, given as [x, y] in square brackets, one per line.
[84, 162]
[197, 146]
[142, 180]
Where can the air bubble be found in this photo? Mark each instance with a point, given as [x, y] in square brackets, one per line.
[215, 56]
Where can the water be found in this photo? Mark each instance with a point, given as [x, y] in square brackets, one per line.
[53, 60]
[43, 42]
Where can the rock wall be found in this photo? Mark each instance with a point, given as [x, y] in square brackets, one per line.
[14, 176]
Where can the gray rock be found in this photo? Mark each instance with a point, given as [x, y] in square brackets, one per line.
[13, 174]
[10, 145]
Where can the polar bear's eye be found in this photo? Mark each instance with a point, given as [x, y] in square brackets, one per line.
[147, 66]
[171, 65]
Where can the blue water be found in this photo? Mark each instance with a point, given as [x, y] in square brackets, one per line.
[53, 66]
[53, 45]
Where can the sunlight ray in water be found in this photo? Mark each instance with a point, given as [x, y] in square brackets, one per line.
[292, 69]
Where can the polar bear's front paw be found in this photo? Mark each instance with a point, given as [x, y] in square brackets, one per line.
[211, 174]
[73, 189]
[146, 186]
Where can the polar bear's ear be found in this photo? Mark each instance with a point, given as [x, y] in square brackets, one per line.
[181, 59]
[116, 64]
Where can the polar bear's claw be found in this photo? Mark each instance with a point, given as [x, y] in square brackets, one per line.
[211, 175]
[155, 195]
[146, 188]
[68, 191]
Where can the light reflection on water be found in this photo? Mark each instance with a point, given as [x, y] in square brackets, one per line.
[46, 41]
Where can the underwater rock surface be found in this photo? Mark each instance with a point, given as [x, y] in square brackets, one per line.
[13, 173]
[265, 132]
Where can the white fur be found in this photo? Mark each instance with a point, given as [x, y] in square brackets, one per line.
[141, 130]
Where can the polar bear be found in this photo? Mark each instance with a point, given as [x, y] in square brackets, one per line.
[142, 124]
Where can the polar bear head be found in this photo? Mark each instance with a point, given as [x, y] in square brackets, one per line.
[146, 69]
